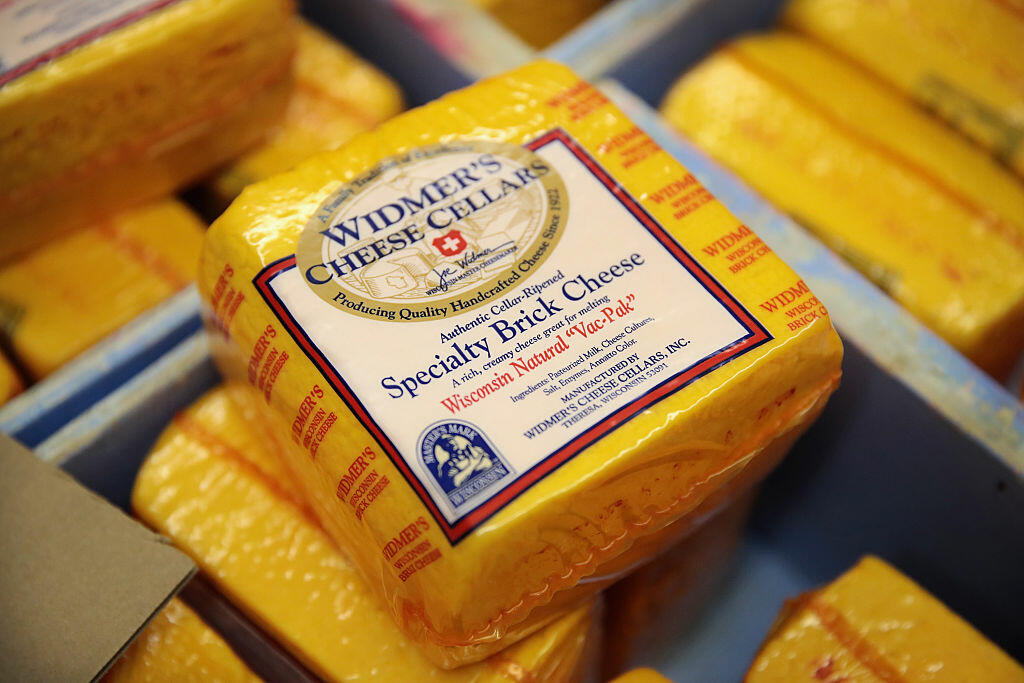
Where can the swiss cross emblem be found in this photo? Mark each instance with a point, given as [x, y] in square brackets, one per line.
[451, 243]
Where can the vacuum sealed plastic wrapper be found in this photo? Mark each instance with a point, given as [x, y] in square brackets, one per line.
[670, 590]
[514, 341]
[963, 61]
[540, 22]
[922, 212]
[67, 295]
[875, 624]
[178, 646]
[106, 106]
[215, 484]
[335, 94]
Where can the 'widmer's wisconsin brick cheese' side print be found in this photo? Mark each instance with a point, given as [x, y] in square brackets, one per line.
[508, 362]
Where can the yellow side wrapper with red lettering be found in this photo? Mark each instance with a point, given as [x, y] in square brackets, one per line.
[178, 646]
[335, 94]
[960, 60]
[215, 486]
[129, 103]
[509, 394]
[67, 295]
[922, 212]
[875, 624]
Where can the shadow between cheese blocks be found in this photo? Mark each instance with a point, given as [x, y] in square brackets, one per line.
[467, 566]
[927, 216]
[178, 646]
[135, 103]
[961, 61]
[216, 485]
[875, 624]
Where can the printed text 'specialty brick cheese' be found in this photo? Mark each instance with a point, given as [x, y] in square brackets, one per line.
[961, 60]
[104, 105]
[214, 484]
[928, 216]
[65, 296]
[874, 624]
[178, 646]
[335, 94]
[486, 325]
[540, 22]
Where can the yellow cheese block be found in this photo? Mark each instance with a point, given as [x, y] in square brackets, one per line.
[215, 486]
[335, 94]
[10, 382]
[926, 215]
[505, 397]
[964, 61]
[65, 296]
[129, 103]
[540, 22]
[177, 646]
[875, 624]
[641, 676]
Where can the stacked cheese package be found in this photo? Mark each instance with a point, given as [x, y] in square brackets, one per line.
[963, 61]
[505, 375]
[105, 108]
[335, 94]
[215, 484]
[10, 381]
[925, 214]
[875, 624]
[65, 296]
[178, 646]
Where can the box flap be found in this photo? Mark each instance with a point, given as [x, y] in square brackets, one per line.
[78, 578]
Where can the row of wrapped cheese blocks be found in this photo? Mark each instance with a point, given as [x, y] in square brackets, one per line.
[60, 298]
[812, 121]
[216, 486]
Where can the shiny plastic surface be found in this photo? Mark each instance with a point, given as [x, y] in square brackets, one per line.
[963, 61]
[922, 212]
[214, 485]
[65, 296]
[875, 624]
[178, 646]
[335, 94]
[138, 112]
[528, 562]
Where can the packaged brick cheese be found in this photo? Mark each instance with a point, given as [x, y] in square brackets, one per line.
[65, 296]
[178, 646]
[105, 105]
[963, 61]
[641, 676]
[215, 484]
[918, 209]
[335, 94]
[514, 342]
[875, 624]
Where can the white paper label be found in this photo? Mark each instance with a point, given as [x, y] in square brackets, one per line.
[488, 311]
[33, 32]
